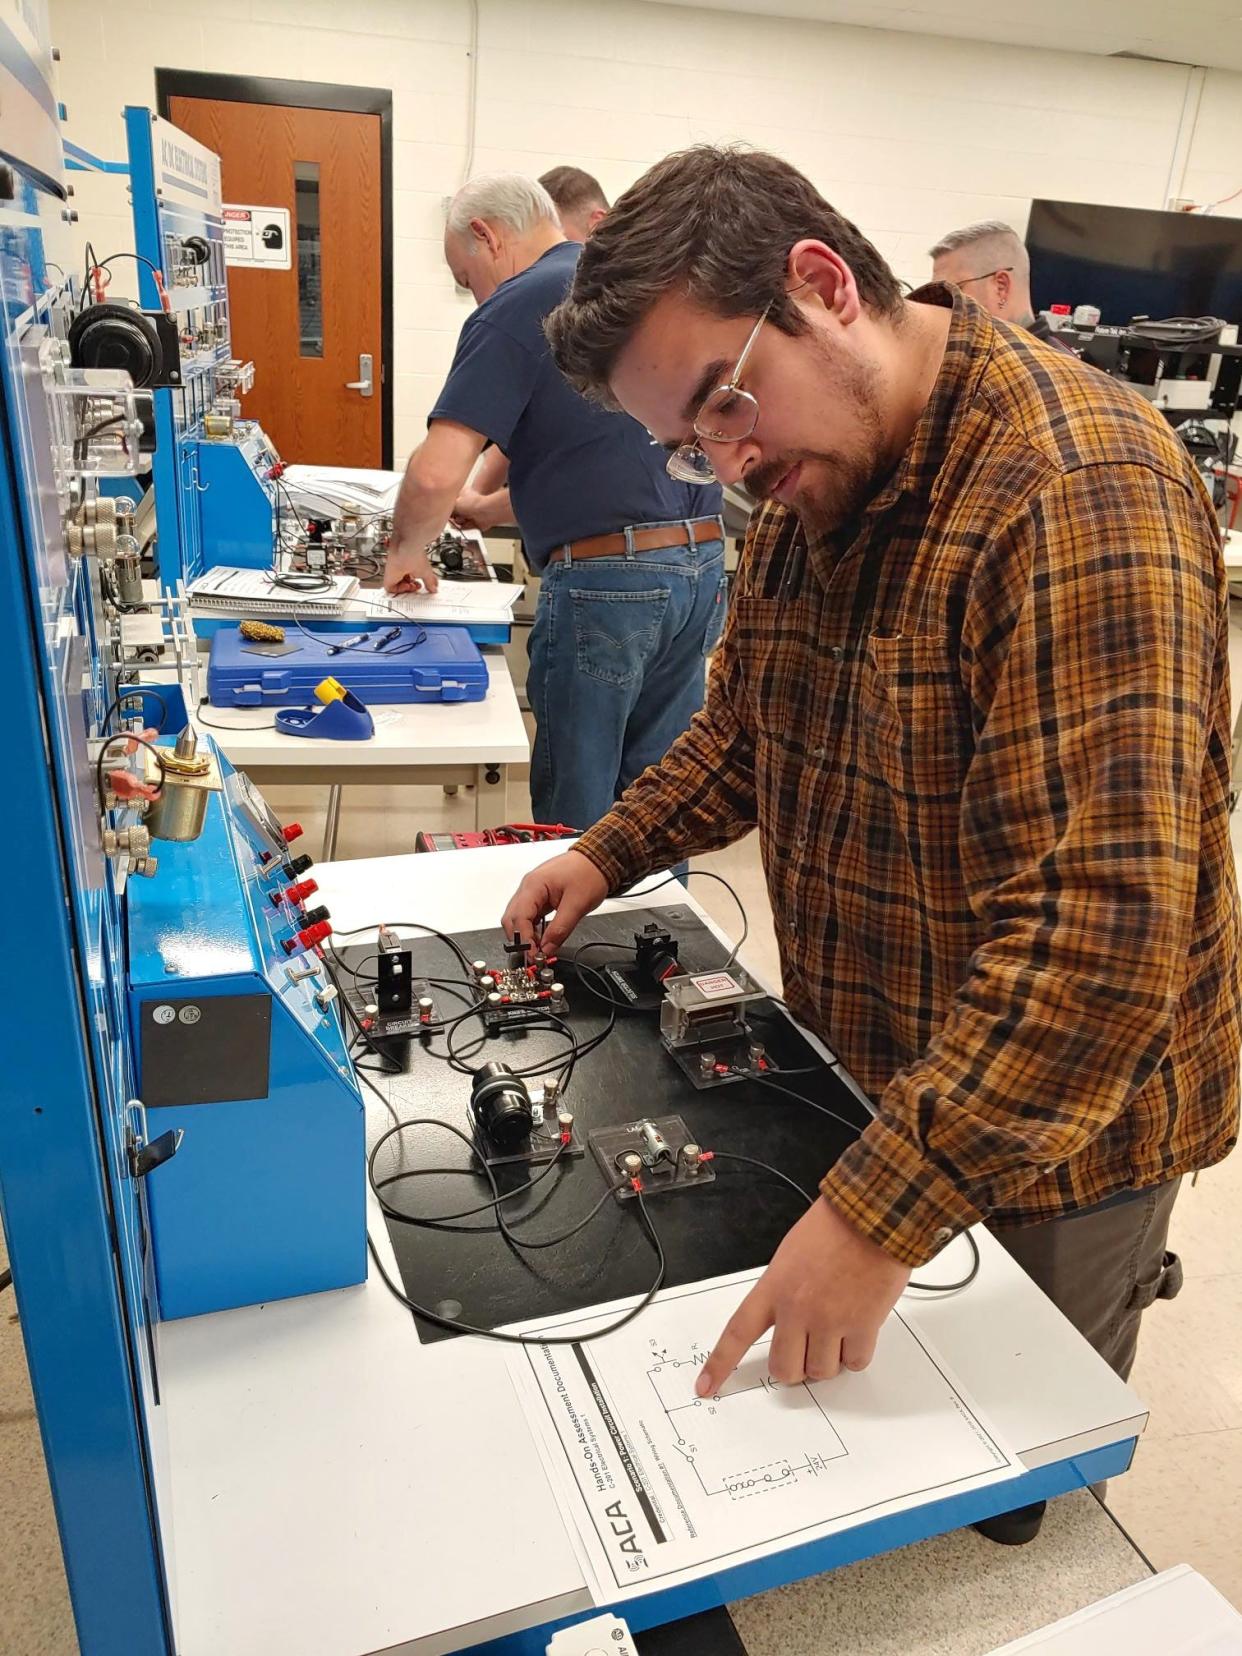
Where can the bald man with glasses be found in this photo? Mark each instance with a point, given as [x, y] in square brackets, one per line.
[989, 262]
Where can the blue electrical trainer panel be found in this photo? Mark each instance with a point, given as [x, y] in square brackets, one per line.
[380, 662]
[239, 1047]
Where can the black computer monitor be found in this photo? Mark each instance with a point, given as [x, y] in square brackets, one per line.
[1133, 261]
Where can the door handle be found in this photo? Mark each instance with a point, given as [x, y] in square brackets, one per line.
[365, 381]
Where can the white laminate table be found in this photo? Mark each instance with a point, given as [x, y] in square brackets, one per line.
[330, 1486]
[435, 742]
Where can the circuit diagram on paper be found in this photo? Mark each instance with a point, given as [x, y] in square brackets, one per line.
[736, 1443]
[661, 1486]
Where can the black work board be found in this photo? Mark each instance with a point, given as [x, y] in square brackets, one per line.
[733, 1224]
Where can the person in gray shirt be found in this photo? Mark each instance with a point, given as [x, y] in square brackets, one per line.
[989, 262]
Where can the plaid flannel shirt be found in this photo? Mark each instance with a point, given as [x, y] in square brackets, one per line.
[984, 733]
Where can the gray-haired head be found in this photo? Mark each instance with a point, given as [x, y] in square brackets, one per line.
[989, 262]
[497, 226]
[517, 203]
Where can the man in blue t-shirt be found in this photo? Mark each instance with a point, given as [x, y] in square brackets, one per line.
[633, 590]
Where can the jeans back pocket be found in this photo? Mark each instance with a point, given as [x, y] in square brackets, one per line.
[615, 632]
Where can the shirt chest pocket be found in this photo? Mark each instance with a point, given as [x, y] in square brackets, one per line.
[914, 719]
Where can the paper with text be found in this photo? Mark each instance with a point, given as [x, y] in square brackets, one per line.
[662, 1487]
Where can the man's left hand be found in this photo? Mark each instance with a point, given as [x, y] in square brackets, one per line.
[825, 1295]
[473, 510]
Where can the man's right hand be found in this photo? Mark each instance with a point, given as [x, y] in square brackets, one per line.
[407, 569]
[570, 885]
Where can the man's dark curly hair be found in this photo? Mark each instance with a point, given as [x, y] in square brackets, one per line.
[716, 223]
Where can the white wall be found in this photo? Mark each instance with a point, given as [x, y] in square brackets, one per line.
[908, 134]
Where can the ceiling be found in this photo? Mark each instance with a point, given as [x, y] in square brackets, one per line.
[1205, 32]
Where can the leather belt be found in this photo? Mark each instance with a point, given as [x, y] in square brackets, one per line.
[691, 533]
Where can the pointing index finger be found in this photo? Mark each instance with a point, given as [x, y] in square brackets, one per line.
[752, 1318]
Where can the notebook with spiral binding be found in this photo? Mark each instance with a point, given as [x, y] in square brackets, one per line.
[230, 591]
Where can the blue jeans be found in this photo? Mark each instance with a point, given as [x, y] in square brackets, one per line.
[617, 670]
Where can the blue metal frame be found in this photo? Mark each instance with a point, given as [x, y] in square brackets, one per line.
[214, 503]
[72, 1217]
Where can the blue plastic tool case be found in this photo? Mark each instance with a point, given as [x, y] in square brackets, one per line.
[420, 664]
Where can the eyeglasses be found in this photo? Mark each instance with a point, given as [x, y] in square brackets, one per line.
[1001, 270]
[726, 415]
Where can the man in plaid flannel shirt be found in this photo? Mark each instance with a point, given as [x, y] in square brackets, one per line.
[973, 691]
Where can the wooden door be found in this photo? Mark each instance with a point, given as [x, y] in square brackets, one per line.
[306, 328]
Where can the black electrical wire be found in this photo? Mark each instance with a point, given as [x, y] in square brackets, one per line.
[923, 1287]
[586, 972]
[766, 1167]
[93, 263]
[455, 1327]
[308, 581]
[84, 437]
[564, 1236]
[212, 724]
[798, 1098]
[374, 651]
[953, 1287]
[434, 1219]
[701, 874]
[1171, 332]
[444, 1221]
[458, 1058]
[415, 925]
[6, 1276]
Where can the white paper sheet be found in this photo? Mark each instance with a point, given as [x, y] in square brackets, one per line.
[456, 601]
[662, 1488]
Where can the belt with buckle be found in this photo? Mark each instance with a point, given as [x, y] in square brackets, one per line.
[654, 539]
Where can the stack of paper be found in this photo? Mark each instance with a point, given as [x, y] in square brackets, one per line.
[327, 491]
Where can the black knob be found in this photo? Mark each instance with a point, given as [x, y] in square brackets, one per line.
[296, 866]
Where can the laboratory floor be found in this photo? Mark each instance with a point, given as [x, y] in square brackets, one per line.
[1181, 1502]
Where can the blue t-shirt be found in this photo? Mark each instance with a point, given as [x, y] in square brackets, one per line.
[574, 469]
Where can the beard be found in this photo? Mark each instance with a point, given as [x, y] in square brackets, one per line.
[835, 486]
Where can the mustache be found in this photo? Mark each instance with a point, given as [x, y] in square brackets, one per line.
[760, 481]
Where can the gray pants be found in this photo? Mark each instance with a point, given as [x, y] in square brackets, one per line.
[1103, 1269]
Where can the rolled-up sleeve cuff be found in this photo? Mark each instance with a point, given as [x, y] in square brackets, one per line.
[612, 849]
[888, 1191]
